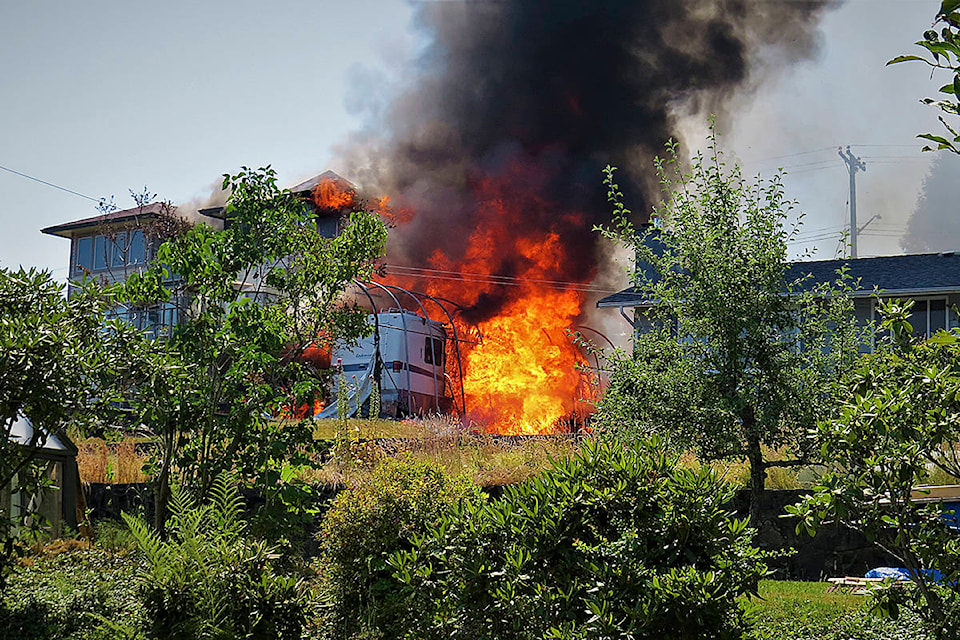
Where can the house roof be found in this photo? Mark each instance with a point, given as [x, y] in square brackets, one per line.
[70, 229]
[311, 184]
[913, 274]
[154, 210]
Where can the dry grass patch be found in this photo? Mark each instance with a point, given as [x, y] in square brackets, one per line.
[737, 472]
[114, 462]
[486, 459]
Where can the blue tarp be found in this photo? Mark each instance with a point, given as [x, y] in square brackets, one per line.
[901, 573]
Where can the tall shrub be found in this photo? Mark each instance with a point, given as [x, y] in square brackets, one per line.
[899, 419]
[365, 526]
[611, 543]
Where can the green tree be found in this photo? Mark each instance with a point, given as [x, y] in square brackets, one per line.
[899, 418]
[736, 360]
[250, 298]
[56, 360]
[613, 542]
[944, 51]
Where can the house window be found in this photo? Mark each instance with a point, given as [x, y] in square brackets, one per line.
[99, 253]
[84, 260]
[137, 249]
[157, 320]
[927, 316]
[118, 249]
[328, 226]
[125, 248]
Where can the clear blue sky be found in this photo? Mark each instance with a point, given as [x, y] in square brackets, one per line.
[105, 96]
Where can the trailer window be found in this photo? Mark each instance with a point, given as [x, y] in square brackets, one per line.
[433, 351]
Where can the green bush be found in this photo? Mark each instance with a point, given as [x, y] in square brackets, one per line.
[62, 596]
[207, 580]
[364, 527]
[611, 543]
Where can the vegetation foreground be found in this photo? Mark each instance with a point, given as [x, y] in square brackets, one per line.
[79, 590]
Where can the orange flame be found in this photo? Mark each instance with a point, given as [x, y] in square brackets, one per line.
[333, 194]
[524, 376]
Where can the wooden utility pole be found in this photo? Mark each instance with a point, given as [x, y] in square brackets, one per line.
[854, 164]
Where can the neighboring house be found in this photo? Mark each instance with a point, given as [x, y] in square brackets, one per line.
[931, 280]
[117, 244]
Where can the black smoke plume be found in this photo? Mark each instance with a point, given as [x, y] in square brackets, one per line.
[539, 95]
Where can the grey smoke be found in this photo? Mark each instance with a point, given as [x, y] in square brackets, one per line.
[935, 222]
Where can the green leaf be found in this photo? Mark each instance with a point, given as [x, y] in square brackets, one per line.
[903, 59]
[948, 7]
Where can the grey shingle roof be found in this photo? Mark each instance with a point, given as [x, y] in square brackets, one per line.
[909, 274]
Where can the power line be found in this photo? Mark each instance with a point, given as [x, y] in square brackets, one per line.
[803, 165]
[793, 155]
[481, 278]
[828, 236]
[819, 231]
[50, 184]
[808, 170]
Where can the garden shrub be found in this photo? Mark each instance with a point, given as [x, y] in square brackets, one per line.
[113, 536]
[207, 580]
[611, 543]
[62, 595]
[367, 524]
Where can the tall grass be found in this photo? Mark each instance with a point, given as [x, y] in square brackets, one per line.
[460, 450]
[807, 611]
[115, 462]
[737, 472]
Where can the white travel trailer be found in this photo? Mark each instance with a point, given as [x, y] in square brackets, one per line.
[405, 355]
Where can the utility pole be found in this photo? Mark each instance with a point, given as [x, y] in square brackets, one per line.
[854, 164]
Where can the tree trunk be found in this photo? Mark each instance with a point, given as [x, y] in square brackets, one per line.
[162, 495]
[758, 469]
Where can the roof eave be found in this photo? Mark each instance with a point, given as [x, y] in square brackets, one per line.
[71, 229]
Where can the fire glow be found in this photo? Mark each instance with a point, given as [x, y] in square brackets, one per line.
[523, 378]
[524, 375]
